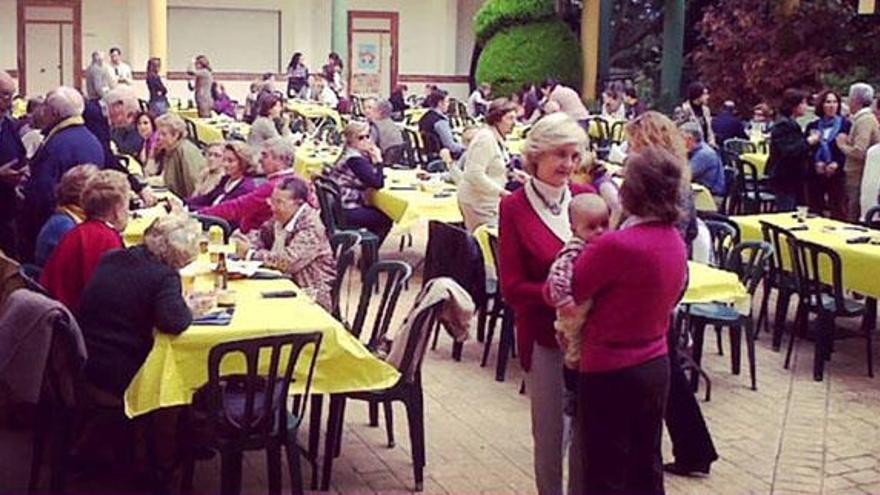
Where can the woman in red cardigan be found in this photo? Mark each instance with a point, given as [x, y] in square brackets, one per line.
[634, 276]
[70, 267]
[533, 226]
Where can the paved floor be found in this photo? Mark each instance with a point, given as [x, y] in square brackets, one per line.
[792, 435]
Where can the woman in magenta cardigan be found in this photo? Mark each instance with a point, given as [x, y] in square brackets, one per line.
[533, 226]
[634, 276]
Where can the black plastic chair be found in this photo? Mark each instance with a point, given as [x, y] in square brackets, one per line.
[333, 218]
[872, 218]
[208, 221]
[396, 275]
[413, 141]
[615, 134]
[730, 201]
[824, 298]
[396, 155]
[750, 261]
[249, 411]
[193, 134]
[430, 147]
[734, 147]
[453, 252]
[724, 238]
[781, 277]
[497, 308]
[407, 390]
[754, 198]
[344, 245]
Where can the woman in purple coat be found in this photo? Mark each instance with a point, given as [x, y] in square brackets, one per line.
[238, 162]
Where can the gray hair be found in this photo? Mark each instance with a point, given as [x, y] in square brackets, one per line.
[125, 95]
[65, 102]
[384, 108]
[549, 133]
[173, 122]
[862, 93]
[281, 148]
[174, 239]
[693, 130]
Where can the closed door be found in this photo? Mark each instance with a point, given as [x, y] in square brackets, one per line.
[44, 65]
[372, 53]
[48, 45]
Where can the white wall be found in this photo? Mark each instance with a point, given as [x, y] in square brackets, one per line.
[104, 25]
[8, 35]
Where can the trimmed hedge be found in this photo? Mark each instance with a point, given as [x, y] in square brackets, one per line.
[496, 15]
[531, 52]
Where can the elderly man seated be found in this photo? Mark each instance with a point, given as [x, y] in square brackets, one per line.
[68, 143]
[250, 211]
[383, 131]
[706, 168]
[122, 107]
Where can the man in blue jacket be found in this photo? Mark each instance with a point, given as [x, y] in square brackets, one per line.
[68, 143]
[706, 167]
[12, 154]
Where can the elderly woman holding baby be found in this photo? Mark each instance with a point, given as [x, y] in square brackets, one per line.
[533, 227]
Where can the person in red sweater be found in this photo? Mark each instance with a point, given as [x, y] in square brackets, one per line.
[251, 211]
[533, 226]
[634, 276]
[70, 267]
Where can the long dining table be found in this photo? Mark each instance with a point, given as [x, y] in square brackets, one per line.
[178, 364]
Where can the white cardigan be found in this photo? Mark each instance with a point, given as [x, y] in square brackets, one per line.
[485, 171]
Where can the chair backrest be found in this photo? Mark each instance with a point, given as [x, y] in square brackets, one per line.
[812, 261]
[724, 238]
[345, 246]
[750, 186]
[262, 387]
[615, 135]
[327, 191]
[453, 252]
[414, 141]
[413, 355]
[734, 147]
[430, 148]
[208, 221]
[751, 261]
[193, 134]
[872, 217]
[780, 239]
[396, 155]
[730, 203]
[493, 247]
[396, 274]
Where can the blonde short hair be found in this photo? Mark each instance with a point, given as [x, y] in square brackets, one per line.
[73, 182]
[549, 133]
[353, 130]
[655, 129]
[173, 122]
[174, 239]
[104, 192]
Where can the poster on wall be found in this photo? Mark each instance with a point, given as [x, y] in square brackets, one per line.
[368, 58]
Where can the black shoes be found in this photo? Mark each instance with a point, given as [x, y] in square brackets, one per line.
[685, 469]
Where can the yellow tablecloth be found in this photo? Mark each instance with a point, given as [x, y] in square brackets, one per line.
[407, 199]
[311, 158]
[860, 262]
[138, 223]
[211, 130]
[759, 160]
[177, 365]
[186, 113]
[707, 284]
[515, 145]
[314, 112]
[411, 116]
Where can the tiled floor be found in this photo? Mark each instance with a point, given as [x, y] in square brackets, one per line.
[792, 435]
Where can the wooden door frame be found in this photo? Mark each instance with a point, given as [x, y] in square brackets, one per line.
[394, 20]
[76, 5]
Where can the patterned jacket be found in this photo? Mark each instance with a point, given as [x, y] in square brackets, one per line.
[306, 255]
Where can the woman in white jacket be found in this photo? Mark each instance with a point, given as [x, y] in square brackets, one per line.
[485, 167]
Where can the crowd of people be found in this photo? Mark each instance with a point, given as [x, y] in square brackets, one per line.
[592, 270]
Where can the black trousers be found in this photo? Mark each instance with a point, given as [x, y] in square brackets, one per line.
[691, 442]
[620, 420]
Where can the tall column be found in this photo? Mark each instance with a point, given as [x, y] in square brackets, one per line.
[159, 31]
[590, 47]
[672, 58]
[339, 30]
[595, 44]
